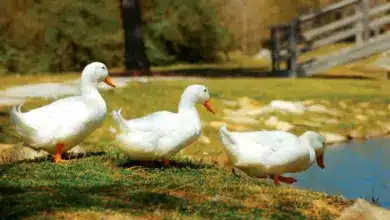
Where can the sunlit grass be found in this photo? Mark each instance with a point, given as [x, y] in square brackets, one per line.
[198, 185]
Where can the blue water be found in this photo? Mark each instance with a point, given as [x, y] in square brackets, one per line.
[354, 170]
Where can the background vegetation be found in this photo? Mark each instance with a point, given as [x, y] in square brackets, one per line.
[56, 36]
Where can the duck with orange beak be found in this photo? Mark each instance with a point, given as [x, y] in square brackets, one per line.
[264, 154]
[160, 135]
[61, 125]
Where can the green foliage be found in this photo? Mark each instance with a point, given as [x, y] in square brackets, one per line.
[45, 35]
[183, 30]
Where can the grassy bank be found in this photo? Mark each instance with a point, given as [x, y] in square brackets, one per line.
[200, 185]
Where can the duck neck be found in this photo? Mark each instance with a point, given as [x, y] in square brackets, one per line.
[312, 153]
[89, 90]
[187, 108]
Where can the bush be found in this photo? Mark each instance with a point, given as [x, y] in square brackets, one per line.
[182, 30]
[56, 36]
[45, 35]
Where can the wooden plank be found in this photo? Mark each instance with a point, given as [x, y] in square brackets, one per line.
[380, 9]
[335, 37]
[379, 22]
[365, 5]
[376, 45]
[327, 9]
[358, 25]
[309, 35]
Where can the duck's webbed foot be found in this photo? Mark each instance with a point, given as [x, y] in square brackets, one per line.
[278, 178]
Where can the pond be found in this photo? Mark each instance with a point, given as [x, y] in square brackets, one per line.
[355, 170]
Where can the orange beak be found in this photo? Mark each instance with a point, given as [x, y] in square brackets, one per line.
[207, 105]
[320, 161]
[109, 82]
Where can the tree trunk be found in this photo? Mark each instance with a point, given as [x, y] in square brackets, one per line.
[136, 61]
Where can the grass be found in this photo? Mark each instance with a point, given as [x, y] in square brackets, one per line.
[199, 185]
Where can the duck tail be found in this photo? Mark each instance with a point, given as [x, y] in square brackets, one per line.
[225, 134]
[116, 115]
[17, 119]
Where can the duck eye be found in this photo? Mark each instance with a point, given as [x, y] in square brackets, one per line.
[103, 67]
[205, 90]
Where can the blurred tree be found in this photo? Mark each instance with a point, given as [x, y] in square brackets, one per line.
[136, 60]
[182, 31]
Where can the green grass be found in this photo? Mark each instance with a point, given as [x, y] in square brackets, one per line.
[199, 185]
[111, 182]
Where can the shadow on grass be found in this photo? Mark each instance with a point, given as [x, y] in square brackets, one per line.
[30, 189]
[216, 72]
[159, 164]
[29, 201]
[71, 156]
[342, 77]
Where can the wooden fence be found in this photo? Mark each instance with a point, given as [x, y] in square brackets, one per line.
[355, 20]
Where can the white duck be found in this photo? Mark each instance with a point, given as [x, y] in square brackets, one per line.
[273, 153]
[63, 124]
[162, 134]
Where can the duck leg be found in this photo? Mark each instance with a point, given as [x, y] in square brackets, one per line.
[57, 156]
[167, 163]
[277, 179]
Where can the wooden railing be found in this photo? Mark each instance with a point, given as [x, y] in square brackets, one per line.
[306, 32]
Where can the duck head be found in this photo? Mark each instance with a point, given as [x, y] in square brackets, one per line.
[95, 73]
[196, 94]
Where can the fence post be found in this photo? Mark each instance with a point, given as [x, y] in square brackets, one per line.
[359, 24]
[362, 26]
[366, 20]
[293, 49]
[274, 49]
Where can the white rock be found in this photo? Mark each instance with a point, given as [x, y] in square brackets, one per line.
[248, 103]
[361, 117]
[325, 102]
[204, 139]
[310, 124]
[326, 120]
[241, 120]
[112, 130]
[331, 138]
[260, 111]
[278, 124]
[77, 150]
[10, 153]
[230, 103]
[361, 209]
[318, 109]
[235, 113]
[308, 102]
[292, 107]
[263, 54]
[324, 110]
[343, 104]
[371, 112]
[364, 104]
[216, 124]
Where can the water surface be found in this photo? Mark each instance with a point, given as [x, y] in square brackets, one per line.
[355, 170]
